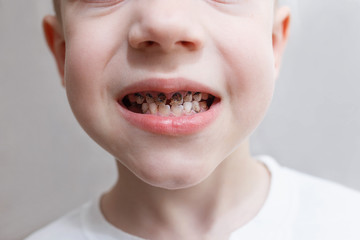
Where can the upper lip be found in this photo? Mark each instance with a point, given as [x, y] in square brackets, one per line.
[166, 85]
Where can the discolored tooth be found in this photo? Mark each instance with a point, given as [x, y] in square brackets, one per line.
[197, 96]
[203, 106]
[196, 106]
[139, 98]
[177, 109]
[161, 98]
[188, 97]
[204, 96]
[176, 99]
[153, 108]
[149, 98]
[164, 110]
[144, 107]
[187, 107]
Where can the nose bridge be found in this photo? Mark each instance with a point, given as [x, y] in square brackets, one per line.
[164, 24]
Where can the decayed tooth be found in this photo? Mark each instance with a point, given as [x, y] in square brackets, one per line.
[196, 106]
[164, 110]
[197, 96]
[203, 106]
[187, 107]
[177, 109]
[144, 107]
[204, 96]
[149, 98]
[188, 97]
[161, 98]
[139, 98]
[153, 108]
[176, 99]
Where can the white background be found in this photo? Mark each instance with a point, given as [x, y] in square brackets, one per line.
[48, 165]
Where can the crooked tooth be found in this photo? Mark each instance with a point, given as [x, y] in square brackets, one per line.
[196, 106]
[176, 99]
[204, 96]
[197, 96]
[164, 110]
[161, 98]
[139, 98]
[144, 107]
[188, 97]
[149, 98]
[153, 108]
[203, 106]
[177, 109]
[187, 107]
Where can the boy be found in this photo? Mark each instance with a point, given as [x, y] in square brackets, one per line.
[173, 89]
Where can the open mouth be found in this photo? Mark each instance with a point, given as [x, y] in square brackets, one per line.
[175, 104]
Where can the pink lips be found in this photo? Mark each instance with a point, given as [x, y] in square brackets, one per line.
[183, 125]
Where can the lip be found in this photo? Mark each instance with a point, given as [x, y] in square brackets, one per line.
[172, 126]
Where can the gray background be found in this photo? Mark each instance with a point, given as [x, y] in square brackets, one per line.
[48, 165]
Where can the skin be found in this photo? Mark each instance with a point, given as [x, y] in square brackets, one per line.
[174, 187]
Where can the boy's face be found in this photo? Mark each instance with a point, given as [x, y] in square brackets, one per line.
[107, 50]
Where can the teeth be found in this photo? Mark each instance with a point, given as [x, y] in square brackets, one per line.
[203, 106]
[139, 98]
[187, 107]
[197, 96]
[177, 109]
[205, 96]
[164, 110]
[153, 108]
[144, 107]
[149, 98]
[196, 106]
[176, 99]
[161, 98]
[188, 97]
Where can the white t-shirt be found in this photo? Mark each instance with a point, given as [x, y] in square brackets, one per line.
[298, 207]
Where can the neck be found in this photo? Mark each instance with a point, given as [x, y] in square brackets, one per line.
[226, 200]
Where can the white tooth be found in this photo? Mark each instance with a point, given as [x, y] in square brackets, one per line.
[203, 106]
[197, 97]
[149, 98]
[139, 99]
[153, 108]
[188, 97]
[204, 96]
[177, 109]
[164, 110]
[187, 107]
[144, 107]
[196, 106]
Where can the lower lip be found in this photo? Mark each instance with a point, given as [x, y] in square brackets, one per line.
[173, 126]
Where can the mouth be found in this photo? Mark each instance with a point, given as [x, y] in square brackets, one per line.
[169, 107]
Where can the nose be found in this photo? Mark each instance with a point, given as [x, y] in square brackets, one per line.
[165, 25]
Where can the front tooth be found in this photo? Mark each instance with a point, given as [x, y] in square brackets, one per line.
[139, 98]
[153, 108]
[149, 98]
[188, 97]
[204, 96]
[176, 99]
[177, 109]
[144, 107]
[161, 98]
[164, 110]
[197, 96]
[196, 106]
[203, 106]
[187, 107]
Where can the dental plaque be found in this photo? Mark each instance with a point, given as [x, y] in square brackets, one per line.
[168, 105]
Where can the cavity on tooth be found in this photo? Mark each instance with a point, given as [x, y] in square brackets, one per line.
[203, 106]
[160, 99]
[196, 106]
[153, 108]
[144, 107]
[149, 98]
[188, 97]
[139, 98]
[187, 107]
[177, 109]
[197, 96]
[176, 99]
[164, 110]
[204, 96]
